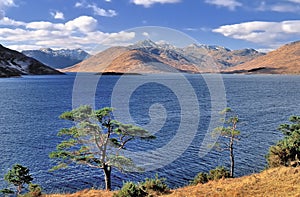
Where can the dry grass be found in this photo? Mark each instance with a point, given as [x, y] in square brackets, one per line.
[283, 182]
[84, 193]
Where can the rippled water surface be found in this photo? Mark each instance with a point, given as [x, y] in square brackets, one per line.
[29, 121]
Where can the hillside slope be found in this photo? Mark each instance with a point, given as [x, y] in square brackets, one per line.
[283, 182]
[284, 60]
[13, 63]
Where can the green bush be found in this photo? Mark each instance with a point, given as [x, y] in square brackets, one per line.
[131, 189]
[156, 185]
[35, 190]
[150, 187]
[214, 174]
[200, 178]
[218, 173]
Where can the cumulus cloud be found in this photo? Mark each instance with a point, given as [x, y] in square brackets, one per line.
[261, 32]
[58, 15]
[148, 3]
[230, 4]
[80, 32]
[97, 10]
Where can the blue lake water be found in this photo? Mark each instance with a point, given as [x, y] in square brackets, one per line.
[29, 122]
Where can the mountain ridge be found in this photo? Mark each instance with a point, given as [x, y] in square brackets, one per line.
[164, 58]
[15, 64]
[58, 58]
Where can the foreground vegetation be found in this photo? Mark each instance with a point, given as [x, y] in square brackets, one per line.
[281, 181]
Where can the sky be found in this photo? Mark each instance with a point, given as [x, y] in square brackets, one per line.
[87, 24]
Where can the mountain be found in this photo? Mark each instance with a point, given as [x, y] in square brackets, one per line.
[152, 57]
[13, 63]
[57, 58]
[284, 60]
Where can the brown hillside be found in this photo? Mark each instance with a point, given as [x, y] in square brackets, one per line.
[138, 61]
[283, 182]
[150, 57]
[284, 60]
[98, 62]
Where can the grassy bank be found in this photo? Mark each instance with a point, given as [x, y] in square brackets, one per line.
[283, 181]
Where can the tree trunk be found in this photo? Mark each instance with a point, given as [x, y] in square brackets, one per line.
[19, 189]
[231, 159]
[107, 174]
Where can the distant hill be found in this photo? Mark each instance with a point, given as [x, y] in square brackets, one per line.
[150, 57]
[13, 63]
[284, 60]
[58, 58]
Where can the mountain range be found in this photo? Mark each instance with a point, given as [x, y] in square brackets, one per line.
[152, 57]
[13, 64]
[57, 58]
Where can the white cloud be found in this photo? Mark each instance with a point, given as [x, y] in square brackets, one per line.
[7, 3]
[261, 32]
[3, 5]
[294, 1]
[108, 0]
[230, 4]
[83, 23]
[79, 4]
[58, 15]
[80, 32]
[284, 6]
[102, 12]
[97, 10]
[146, 34]
[148, 3]
[10, 22]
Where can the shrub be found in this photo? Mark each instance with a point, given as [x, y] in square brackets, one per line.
[156, 185]
[150, 187]
[131, 189]
[200, 178]
[35, 190]
[214, 174]
[287, 150]
[218, 173]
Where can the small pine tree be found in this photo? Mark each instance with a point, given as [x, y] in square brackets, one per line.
[97, 141]
[18, 176]
[229, 135]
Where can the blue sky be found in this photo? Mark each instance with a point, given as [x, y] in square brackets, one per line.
[235, 24]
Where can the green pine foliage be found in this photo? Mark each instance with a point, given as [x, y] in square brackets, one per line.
[18, 176]
[97, 140]
[287, 150]
[228, 135]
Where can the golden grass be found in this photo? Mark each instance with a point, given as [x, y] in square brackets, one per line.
[283, 182]
[84, 193]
